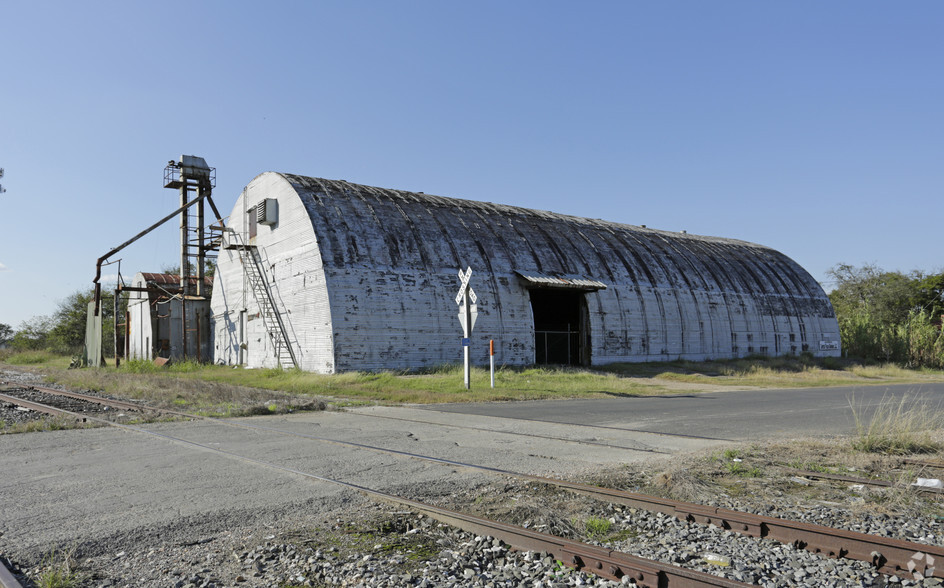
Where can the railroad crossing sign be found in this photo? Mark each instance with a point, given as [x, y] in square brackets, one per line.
[465, 277]
[468, 312]
[473, 312]
[470, 309]
[467, 294]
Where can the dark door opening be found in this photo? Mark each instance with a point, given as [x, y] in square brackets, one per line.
[561, 335]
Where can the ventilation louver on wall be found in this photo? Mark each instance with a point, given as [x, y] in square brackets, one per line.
[267, 212]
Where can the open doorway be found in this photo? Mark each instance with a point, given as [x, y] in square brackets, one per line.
[561, 329]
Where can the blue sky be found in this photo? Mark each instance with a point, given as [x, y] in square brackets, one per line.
[811, 127]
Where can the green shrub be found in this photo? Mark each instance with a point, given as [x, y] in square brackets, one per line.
[915, 342]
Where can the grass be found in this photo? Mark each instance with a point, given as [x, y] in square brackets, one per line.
[200, 388]
[597, 527]
[34, 358]
[705, 476]
[58, 571]
[808, 466]
[800, 371]
[898, 427]
[49, 423]
[739, 469]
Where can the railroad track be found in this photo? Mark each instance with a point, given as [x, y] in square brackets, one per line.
[887, 555]
[56, 402]
[600, 561]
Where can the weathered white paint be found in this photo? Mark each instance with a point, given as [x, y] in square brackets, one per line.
[365, 279]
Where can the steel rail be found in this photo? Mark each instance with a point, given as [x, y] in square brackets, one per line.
[888, 555]
[924, 462]
[600, 561]
[50, 410]
[7, 580]
[838, 477]
[854, 480]
[96, 399]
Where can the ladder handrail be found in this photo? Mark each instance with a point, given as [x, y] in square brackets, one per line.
[252, 252]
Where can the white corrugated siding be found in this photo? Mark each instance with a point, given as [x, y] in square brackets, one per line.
[292, 264]
[366, 278]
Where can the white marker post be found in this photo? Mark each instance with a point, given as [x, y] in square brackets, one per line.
[467, 315]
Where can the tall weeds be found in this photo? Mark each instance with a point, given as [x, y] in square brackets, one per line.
[916, 342]
[898, 427]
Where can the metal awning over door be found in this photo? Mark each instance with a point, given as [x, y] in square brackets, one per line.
[568, 282]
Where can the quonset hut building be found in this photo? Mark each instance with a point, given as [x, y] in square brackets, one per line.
[333, 276]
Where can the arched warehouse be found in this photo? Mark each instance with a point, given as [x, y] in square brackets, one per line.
[364, 278]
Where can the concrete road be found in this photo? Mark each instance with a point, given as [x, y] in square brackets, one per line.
[113, 486]
[735, 415]
[110, 487]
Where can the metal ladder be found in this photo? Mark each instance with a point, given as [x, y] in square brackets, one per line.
[271, 319]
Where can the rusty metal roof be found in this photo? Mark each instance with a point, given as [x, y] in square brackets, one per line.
[168, 281]
[160, 279]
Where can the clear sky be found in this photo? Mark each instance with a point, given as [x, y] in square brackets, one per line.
[811, 127]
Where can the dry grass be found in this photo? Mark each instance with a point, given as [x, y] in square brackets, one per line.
[775, 372]
[223, 390]
[48, 423]
[905, 426]
[59, 570]
[707, 476]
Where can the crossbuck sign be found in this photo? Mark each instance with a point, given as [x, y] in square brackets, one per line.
[468, 312]
[464, 286]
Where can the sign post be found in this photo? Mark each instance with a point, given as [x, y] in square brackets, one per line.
[468, 312]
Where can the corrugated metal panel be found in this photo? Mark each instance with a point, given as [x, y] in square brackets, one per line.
[367, 278]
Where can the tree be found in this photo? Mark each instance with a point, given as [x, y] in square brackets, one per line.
[887, 297]
[6, 333]
[64, 331]
[889, 316]
[32, 334]
[67, 334]
[930, 295]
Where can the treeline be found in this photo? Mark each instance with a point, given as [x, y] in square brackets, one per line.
[883, 316]
[889, 316]
[64, 331]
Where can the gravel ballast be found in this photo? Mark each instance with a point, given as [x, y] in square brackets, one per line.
[348, 540]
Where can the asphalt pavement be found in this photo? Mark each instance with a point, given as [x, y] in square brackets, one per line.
[733, 415]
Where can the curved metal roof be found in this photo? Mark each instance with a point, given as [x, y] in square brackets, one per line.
[360, 225]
